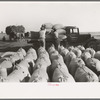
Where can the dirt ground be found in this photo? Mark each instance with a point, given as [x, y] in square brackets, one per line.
[14, 46]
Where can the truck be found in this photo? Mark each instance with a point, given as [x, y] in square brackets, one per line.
[73, 38]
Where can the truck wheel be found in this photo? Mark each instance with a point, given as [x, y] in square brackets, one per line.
[92, 44]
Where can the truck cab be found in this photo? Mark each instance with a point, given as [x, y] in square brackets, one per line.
[72, 33]
[75, 38]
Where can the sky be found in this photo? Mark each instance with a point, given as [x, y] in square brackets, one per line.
[85, 15]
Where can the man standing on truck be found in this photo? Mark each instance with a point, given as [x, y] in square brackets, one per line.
[42, 36]
[56, 41]
[59, 40]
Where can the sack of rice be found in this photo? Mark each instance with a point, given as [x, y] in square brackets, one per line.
[64, 52]
[94, 65]
[68, 57]
[57, 26]
[77, 52]
[84, 74]
[85, 56]
[61, 31]
[97, 55]
[32, 52]
[82, 48]
[23, 51]
[47, 25]
[48, 31]
[60, 76]
[91, 51]
[39, 75]
[74, 64]
[3, 72]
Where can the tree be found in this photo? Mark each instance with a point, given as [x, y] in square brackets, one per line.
[10, 31]
[20, 29]
[13, 30]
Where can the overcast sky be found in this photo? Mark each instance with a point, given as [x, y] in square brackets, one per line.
[85, 15]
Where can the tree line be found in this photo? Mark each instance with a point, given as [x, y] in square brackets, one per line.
[14, 30]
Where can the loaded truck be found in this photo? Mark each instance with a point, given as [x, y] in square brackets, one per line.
[73, 35]
[75, 38]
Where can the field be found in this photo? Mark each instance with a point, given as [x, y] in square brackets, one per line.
[94, 34]
[13, 46]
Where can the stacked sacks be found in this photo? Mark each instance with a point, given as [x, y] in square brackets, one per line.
[33, 53]
[65, 65]
[61, 31]
[79, 69]
[6, 67]
[39, 75]
[3, 73]
[60, 48]
[43, 55]
[63, 51]
[58, 69]
[57, 26]
[91, 51]
[74, 64]
[84, 74]
[51, 49]
[19, 73]
[40, 68]
[15, 56]
[20, 70]
[81, 48]
[7, 54]
[62, 34]
[60, 76]
[8, 61]
[68, 57]
[48, 27]
[31, 57]
[85, 56]
[94, 65]
[77, 52]
[54, 54]
[18, 56]
[97, 55]
[75, 60]
[70, 48]
[23, 51]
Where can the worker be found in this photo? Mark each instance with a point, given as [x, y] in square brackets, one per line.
[56, 41]
[59, 40]
[42, 36]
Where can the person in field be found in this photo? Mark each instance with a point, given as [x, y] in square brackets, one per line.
[42, 36]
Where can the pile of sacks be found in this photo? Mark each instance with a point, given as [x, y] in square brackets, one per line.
[71, 64]
[50, 28]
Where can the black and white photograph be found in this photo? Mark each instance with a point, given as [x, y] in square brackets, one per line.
[51, 43]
